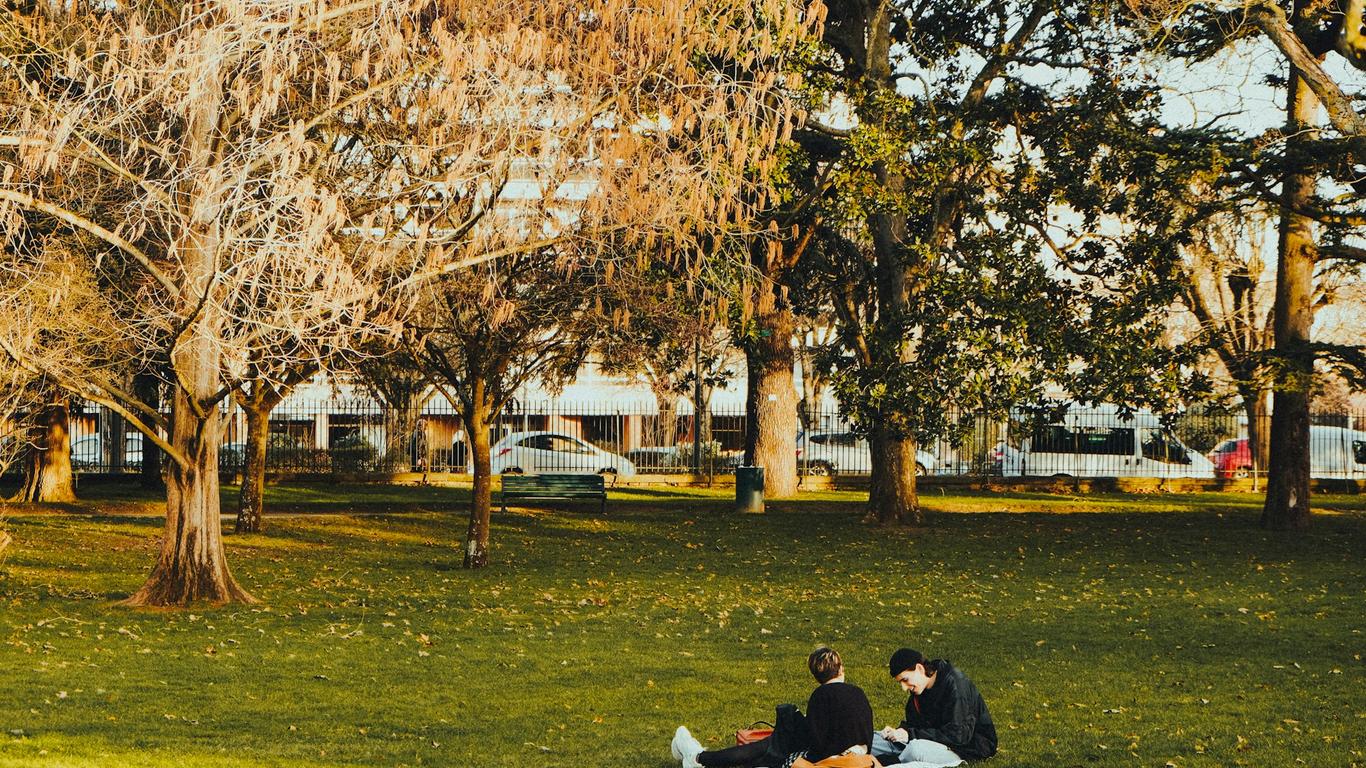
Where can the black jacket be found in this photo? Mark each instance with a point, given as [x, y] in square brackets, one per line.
[839, 717]
[952, 713]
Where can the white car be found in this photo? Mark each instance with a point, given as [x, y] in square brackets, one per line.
[1102, 442]
[552, 452]
[831, 453]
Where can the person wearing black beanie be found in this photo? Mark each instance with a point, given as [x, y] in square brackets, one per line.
[946, 723]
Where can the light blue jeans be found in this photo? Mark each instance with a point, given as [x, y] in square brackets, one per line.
[920, 753]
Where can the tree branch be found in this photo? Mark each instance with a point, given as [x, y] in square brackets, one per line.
[80, 222]
[1343, 252]
[1270, 18]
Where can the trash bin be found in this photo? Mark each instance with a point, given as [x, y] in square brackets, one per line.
[749, 489]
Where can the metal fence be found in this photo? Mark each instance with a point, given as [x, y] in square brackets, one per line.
[354, 437]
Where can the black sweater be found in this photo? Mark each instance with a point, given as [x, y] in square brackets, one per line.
[952, 713]
[839, 717]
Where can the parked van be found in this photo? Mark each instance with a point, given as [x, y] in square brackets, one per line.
[1337, 452]
[1102, 442]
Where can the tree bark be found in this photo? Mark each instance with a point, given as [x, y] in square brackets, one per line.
[48, 477]
[476, 415]
[666, 427]
[1287, 489]
[400, 427]
[771, 396]
[813, 389]
[192, 566]
[892, 496]
[113, 443]
[251, 496]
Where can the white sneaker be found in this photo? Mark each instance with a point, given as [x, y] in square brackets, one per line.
[685, 748]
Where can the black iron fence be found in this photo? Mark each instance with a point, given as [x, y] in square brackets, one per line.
[356, 437]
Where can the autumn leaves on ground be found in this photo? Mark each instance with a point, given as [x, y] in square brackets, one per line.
[1110, 631]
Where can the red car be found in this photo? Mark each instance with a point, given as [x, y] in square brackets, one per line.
[1232, 458]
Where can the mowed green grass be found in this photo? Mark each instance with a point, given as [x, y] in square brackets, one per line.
[1103, 631]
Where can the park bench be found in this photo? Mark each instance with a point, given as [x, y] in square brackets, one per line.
[554, 487]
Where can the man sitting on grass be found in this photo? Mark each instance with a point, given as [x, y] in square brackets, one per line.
[839, 721]
[946, 721]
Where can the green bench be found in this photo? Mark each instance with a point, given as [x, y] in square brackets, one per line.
[554, 487]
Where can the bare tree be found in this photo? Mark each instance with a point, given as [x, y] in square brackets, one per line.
[298, 167]
[1227, 292]
[51, 315]
[196, 146]
[482, 345]
[259, 391]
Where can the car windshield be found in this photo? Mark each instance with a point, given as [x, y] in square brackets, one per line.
[1164, 447]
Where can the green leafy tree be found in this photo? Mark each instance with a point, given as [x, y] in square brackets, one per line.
[1310, 172]
[975, 243]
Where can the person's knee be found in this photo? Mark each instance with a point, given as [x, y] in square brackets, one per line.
[926, 751]
[883, 747]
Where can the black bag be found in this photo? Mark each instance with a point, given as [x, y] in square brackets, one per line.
[791, 734]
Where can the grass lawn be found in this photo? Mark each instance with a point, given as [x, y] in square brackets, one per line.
[1103, 630]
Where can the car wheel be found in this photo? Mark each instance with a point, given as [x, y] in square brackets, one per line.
[919, 469]
[1242, 473]
[820, 469]
[607, 472]
[1062, 476]
[513, 471]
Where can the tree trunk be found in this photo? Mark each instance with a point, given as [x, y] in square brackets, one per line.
[1258, 429]
[113, 444]
[771, 404]
[813, 390]
[48, 477]
[770, 391]
[476, 416]
[666, 426]
[896, 270]
[892, 495]
[251, 496]
[400, 428]
[192, 566]
[148, 390]
[1287, 488]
